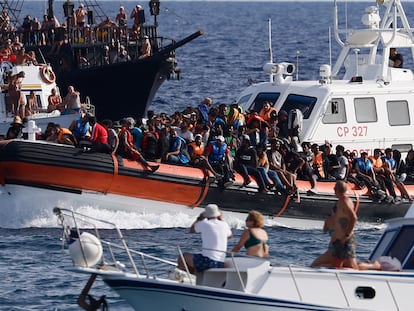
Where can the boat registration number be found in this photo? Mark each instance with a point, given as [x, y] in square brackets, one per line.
[355, 131]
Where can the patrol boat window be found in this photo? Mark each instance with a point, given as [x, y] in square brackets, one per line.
[257, 104]
[365, 110]
[335, 112]
[398, 113]
[304, 103]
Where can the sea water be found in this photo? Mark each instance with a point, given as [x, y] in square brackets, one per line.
[219, 65]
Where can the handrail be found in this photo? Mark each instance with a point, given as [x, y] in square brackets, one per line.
[60, 212]
[238, 272]
[294, 282]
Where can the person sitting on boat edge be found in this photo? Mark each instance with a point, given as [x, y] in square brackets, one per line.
[196, 149]
[81, 128]
[177, 152]
[54, 101]
[72, 101]
[254, 238]
[126, 147]
[218, 155]
[62, 135]
[214, 235]
[99, 137]
[245, 163]
[113, 139]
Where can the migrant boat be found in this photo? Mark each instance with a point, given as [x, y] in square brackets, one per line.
[62, 173]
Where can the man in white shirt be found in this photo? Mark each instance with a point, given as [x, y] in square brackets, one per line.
[214, 234]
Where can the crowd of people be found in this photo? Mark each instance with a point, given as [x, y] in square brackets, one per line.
[113, 34]
[260, 146]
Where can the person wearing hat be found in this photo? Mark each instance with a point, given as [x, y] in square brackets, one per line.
[127, 149]
[15, 129]
[121, 17]
[219, 158]
[138, 16]
[214, 235]
[80, 16]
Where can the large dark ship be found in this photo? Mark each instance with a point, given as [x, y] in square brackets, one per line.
[83, 56]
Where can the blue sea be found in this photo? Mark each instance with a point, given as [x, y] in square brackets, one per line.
[219, 65]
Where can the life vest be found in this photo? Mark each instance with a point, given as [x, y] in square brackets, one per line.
[183, 148]
[267, 115]
[364, 167]
[262, 160]
[318, 162]
[63, 131]
[196, 150]
[217, 153]
[149, 143]
[391, 162]
[123, 150]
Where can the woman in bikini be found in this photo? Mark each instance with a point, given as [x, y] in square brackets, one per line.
[254, 238]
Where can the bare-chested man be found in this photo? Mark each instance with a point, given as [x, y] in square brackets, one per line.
[344, 220]
[17, 99]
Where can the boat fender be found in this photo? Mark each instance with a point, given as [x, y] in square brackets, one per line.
[47, 74]
[86, 251]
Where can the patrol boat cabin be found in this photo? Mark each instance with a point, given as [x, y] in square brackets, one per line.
[371, 106]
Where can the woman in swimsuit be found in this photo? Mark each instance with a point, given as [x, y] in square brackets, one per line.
[254, 238]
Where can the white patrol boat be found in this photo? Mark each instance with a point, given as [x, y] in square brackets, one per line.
[40, 79]
[362, 102]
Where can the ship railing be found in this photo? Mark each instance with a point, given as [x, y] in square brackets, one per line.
[115, 251]
[91, 35]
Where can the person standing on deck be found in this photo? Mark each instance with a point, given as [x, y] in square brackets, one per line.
[344, 220]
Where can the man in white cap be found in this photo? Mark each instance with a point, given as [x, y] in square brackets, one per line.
[80, 16]
[214, 234]
[138, 15]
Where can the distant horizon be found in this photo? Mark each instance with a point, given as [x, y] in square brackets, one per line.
[341, 1]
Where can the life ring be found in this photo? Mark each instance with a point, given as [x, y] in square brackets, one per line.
[47, 74]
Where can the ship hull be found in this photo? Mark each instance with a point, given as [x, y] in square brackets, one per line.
[101, 179]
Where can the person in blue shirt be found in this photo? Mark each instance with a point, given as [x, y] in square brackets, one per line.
[177, 153]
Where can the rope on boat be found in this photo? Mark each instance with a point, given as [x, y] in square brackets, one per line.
[203, 193]
[284, 206]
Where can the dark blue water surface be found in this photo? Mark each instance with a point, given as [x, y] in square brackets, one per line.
[219, 65]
